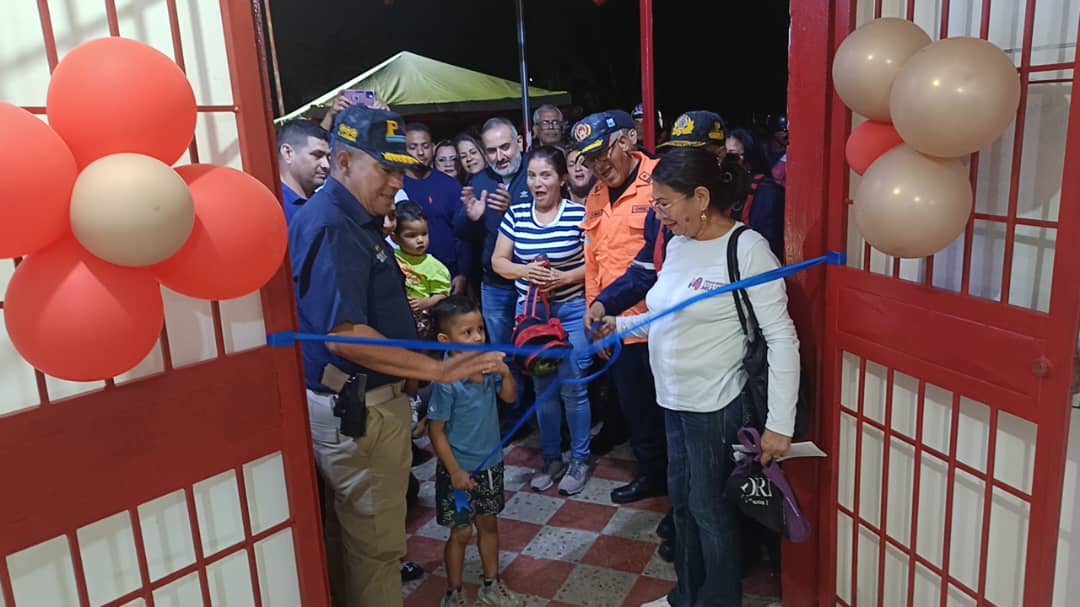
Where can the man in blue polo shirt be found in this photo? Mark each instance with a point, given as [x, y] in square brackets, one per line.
[303, 161]
[348, 283]
[485, 199]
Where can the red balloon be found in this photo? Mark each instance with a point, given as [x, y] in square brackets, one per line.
[37, 173]
[76, 317]
[116, 95]
[239, 239]
[868, 143]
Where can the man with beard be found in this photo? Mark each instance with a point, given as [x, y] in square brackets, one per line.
[303, 161]
[485, 199]
[614, 234]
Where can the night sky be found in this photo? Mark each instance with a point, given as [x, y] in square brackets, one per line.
[727, 56]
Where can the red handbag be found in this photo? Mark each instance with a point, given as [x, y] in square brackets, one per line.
[535, 327]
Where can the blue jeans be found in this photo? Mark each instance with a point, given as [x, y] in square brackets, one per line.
[708, 553]
[574, 397]
[498, 304]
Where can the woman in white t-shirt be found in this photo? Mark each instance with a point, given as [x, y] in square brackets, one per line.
[696, 356]
[549, 227]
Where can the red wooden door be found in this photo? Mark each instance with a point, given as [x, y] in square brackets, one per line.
[188, 481]
[944, 381]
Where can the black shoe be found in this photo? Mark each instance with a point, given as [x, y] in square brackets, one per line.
[411, 572]
[642, 488]
[666, 551]
[666, 528]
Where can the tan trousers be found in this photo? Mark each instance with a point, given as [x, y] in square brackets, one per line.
[368, 479]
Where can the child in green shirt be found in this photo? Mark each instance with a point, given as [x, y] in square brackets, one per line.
[427, 280]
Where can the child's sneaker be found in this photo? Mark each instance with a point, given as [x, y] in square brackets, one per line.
[456, 598]
[498, 595]
[576, 477]
[545, 478]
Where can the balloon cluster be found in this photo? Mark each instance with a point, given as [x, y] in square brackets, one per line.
[91, 201]
[928, 105]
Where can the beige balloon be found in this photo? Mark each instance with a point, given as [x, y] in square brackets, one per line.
[955, 97]
[910, 205]
[869, 59]
[131, 210]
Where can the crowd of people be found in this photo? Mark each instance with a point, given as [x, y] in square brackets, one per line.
[394, 235]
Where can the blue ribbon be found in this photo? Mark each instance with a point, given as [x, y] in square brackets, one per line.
[614, 341]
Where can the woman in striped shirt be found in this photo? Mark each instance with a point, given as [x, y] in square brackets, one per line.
[550, 227]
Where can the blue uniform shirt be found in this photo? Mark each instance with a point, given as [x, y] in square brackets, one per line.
[344, 272]
[487, 229]
[292, 200]
[472, 419]
[440, 197]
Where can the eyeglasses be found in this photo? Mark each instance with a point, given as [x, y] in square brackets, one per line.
[592, 160]
[550, 124]
[663, 205]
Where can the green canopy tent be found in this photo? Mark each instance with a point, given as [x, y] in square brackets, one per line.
[414, 85]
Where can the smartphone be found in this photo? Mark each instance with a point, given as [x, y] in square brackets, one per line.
[361, 96]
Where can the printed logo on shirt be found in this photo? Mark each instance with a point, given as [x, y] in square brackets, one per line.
[640, 209]
[380, 253]
[700, 284]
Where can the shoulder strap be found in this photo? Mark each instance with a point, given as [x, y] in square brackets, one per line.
[747, 318]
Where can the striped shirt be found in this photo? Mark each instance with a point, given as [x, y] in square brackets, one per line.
[562, 240]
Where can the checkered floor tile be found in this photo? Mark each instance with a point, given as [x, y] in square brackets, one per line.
[582, 551]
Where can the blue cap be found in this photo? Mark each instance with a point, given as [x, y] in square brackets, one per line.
[695, 129]
[593, 133]
[380, 133]
[622, 119]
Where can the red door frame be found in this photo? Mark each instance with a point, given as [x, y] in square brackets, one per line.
[818, 179]
[933, 343]
[110, 451]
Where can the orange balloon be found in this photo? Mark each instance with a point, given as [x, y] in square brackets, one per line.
[868, 142]
[239, 240]
[116, 95]
[76, 317]
[37, 172]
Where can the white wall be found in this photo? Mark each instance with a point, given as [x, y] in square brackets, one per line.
[1066, 581]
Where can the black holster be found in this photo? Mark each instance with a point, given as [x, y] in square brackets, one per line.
[350, 404]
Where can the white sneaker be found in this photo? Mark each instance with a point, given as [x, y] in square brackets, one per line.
[660, 602]
[546, 477]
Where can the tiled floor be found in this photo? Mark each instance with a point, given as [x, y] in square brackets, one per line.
[582, 551]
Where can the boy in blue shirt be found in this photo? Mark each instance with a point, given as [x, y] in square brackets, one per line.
[464, 429]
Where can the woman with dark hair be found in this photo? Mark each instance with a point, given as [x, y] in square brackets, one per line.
[470, 155]
[696, 356]
[541, 243]
[446, 160]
